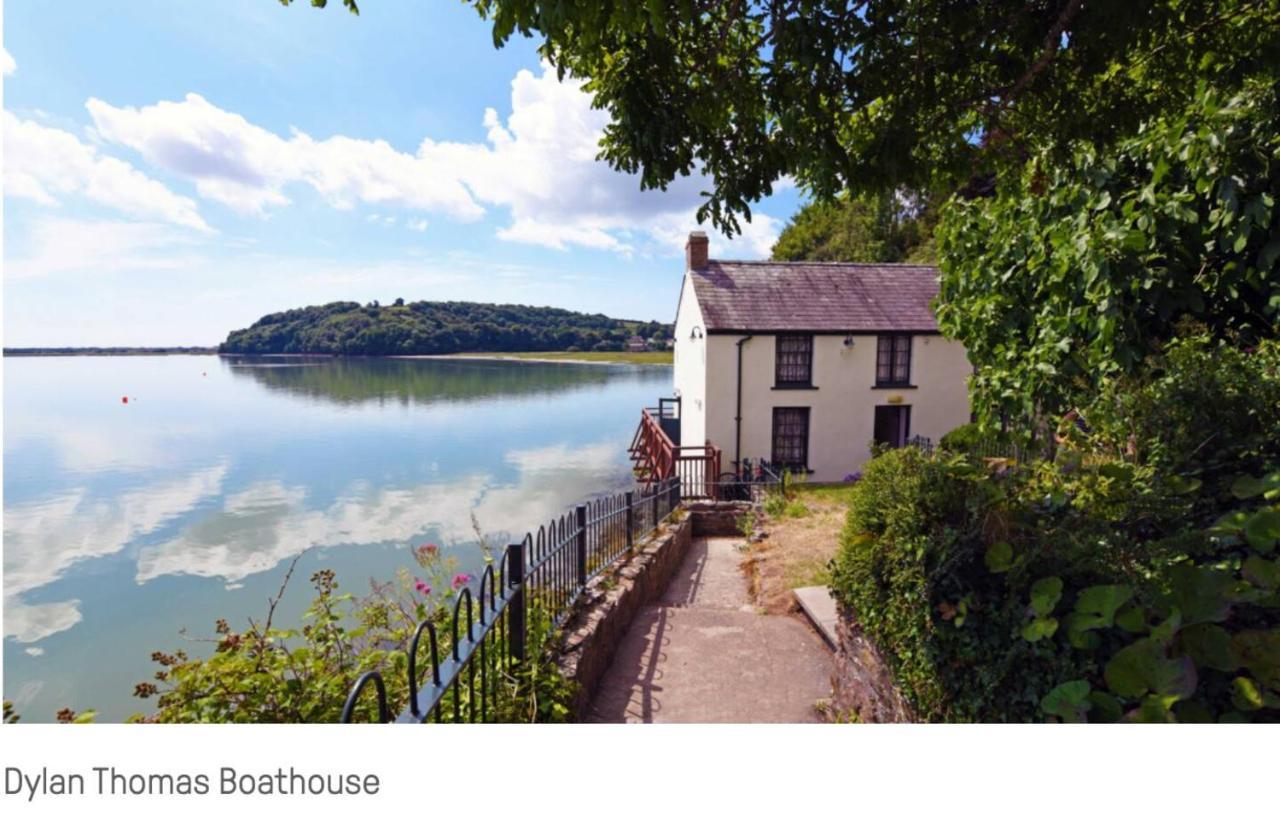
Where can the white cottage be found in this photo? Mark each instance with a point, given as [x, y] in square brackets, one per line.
[805, 364]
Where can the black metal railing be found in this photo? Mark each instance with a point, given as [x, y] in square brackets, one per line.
[527, 593]
[757, 478]
[923, 443]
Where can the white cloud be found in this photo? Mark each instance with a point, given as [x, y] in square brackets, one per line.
[540, 165]
[418, 225]
[46, 164]
[247, 167]
[7, 64]
[57, 245]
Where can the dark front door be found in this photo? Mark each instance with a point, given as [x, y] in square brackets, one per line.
[893, 425]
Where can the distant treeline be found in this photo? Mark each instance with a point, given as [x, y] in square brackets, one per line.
[35, 351]
[433, 327]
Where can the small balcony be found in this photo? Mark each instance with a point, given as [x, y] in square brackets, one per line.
[657, 455]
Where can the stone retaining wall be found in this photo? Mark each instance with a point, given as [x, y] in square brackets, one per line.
[612, 599]
[862, 684]
[717, 518]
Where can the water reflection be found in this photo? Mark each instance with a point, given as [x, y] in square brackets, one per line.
[42, 540]
[124, 523]
[423, 381]
[270, 522]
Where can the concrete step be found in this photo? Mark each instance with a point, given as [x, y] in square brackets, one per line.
[820, 608]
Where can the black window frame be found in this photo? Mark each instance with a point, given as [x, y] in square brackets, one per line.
[781, 459]
[790, 359]
[893, 360]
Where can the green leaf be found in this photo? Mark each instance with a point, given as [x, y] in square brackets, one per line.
[1142, 667]
[1261, 572]
[1078, 632]
[1245, 694]
[1201, 593]
[1039, 628]
[999, 557]
[1132, 619]
[1247, 487]
[1259, 652]
[1097, 605]
[1106, 708]
[1183, 485]
[1262, 529]
[1270, 252]
[1155, 709]
[1209, 645]
[1045, 594]
[1068, 701]
[1232, 522]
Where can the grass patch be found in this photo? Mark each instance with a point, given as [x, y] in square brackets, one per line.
[806, 572]
[839, 492]
[665, 358]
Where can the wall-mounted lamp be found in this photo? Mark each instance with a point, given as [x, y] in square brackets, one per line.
[848, 341]
[696, 333]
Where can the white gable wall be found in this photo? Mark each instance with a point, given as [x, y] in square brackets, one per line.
[691, 367]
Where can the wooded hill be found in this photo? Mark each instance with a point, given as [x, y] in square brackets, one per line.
[435, 327]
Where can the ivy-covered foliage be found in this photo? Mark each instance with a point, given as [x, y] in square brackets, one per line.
[1083, 269]
[1133, 576]
[432, 327]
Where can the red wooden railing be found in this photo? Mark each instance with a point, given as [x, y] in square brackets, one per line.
[656, 458]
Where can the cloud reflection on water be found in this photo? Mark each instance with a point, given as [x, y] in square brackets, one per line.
[44, 539]
[269, 522]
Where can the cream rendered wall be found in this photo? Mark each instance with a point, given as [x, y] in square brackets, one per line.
[690, 369]
[842, 406]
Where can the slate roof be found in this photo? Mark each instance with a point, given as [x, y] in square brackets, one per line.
[801, 296]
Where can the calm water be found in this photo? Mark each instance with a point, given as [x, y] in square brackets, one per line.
[125, 523]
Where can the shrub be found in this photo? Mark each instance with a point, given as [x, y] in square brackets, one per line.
[775, 504]
[270, 674]
[916, 566]
[961, 438]
[796, 509]
[1134, 576]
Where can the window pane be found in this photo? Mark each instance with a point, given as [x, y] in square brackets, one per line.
[902, 360]
[794, 358]
[884, 359]
[893, 359]
[791, 437]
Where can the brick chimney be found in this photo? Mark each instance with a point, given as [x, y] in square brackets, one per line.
[695, 252]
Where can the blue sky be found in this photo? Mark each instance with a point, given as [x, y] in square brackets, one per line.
[176, 170]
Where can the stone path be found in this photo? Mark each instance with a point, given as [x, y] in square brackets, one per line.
[704, 655]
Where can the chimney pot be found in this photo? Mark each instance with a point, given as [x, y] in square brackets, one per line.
[695, 252]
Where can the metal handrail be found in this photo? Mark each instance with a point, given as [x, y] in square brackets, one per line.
[537, 571]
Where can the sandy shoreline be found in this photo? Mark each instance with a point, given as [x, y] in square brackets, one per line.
[513, 359]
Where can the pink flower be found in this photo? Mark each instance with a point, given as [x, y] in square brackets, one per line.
[428, 549]
[422, 587]
[460, 580]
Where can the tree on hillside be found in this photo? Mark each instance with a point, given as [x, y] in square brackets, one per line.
[889, 227]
